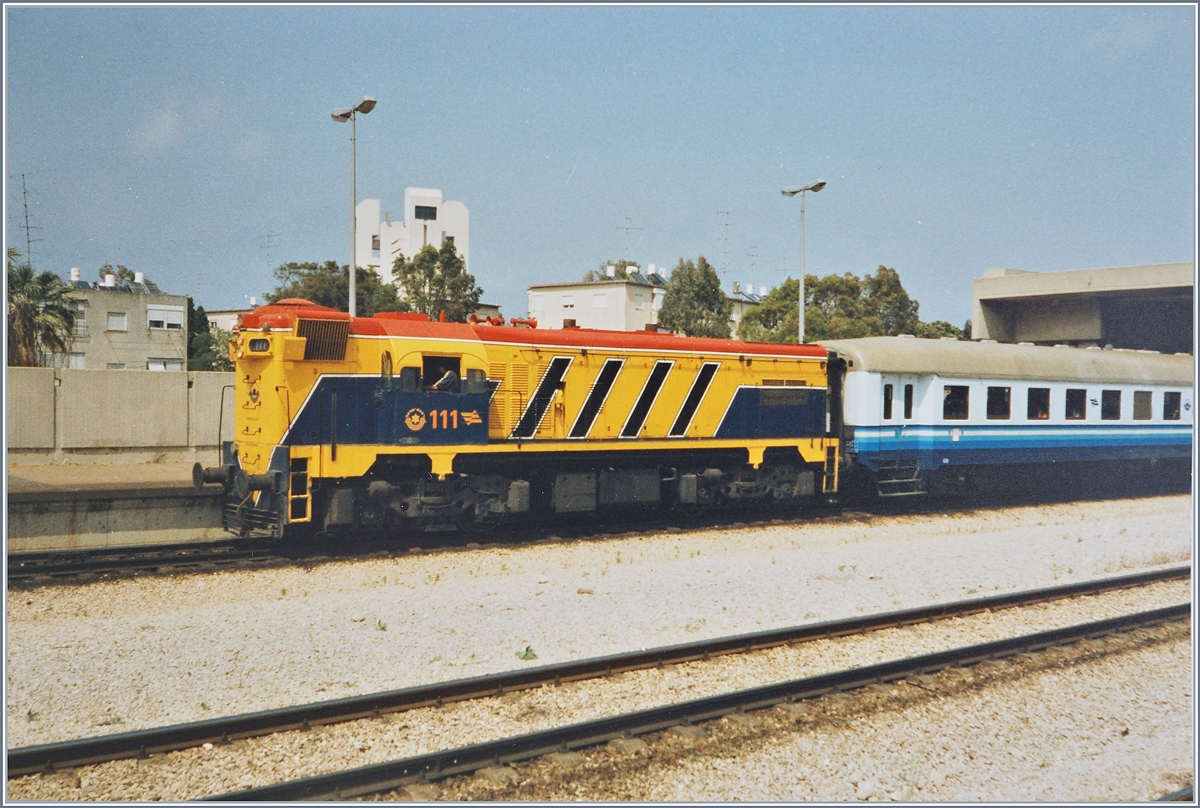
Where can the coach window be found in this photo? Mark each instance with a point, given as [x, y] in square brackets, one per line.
[1076, 405]
[1110, 405]
[999, 403]
[1038, 404]
[887, 402]
[956, 402]
[908, 401]
[1171, 406]
[1143, 409]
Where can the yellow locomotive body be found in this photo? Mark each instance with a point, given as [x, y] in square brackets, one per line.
[338, 426]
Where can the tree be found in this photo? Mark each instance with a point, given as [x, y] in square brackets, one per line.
[940, 328]
[436, 281]
[841, 307]
[206, 347]
[328, 284]
[775, 319]
[694, 303]
[41, 314]
[122, 272]
[621, 270]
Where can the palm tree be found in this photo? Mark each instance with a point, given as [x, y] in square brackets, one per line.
[41, 314]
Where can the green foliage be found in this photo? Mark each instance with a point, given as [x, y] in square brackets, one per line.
[694, 303]
[328, 284]
[41, 314]
[776, 318]
[528, 654]
[435, 281]
[122, 272]
[940, 328]
[601, 273]
[841, 307]
[207, 346]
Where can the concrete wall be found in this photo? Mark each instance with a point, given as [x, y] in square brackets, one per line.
[115, 416]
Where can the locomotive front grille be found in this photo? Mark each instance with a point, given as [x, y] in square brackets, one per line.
[325, 340]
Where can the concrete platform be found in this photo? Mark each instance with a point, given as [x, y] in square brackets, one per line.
[98, 477]
[73, 507]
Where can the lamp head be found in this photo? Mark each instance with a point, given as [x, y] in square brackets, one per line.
[368, 103]
[792, 191]
[341, 115]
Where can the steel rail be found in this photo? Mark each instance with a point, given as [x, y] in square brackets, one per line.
[1185, 794]
[464, 760]
[141, 743]
[24, 566]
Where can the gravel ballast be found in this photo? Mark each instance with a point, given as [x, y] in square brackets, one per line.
[112, 657]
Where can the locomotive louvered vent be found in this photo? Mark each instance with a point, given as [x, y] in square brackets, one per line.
[325, 339]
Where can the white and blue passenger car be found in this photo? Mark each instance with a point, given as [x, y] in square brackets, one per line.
[917, 413]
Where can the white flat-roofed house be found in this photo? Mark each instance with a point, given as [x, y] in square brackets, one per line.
[125, 325]
[614, 304]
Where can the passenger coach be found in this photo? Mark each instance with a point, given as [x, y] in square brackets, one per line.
[919, 414]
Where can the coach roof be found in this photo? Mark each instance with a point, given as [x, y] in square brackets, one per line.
[988, 360]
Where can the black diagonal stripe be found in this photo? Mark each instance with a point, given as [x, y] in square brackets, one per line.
[694, 397]
[535, 410]
[596, 398]
[641, 410]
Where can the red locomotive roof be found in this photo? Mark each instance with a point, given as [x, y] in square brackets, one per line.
[283, 313]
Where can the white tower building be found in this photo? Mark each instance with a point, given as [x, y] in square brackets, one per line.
[428, 219]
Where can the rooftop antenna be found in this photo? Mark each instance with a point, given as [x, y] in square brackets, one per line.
[753, 256]
[627, 227]
[724, 239]
[25, 225]
[267, 242]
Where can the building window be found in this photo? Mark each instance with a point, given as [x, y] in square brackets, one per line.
[163, 363]
[116, 366]
[887, 402]
[427, 212]
[1076, 409]
[1143, 407]
[568, 301]
[599, 300]
[956, 402]
[168, 318]
[1171, 406]
[999, 403]
[1038, 404]
[908, 401]
[116, 321]
[639, 301]
[1110, 405]
[450, 240]
[374, 245]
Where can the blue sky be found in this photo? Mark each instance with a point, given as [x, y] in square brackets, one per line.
[174, 140]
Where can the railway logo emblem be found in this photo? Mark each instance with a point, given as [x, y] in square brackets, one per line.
[471, 418]
[254, 395]
[414, 419]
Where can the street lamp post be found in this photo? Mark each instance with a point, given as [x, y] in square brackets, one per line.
[341, 116]
[816, 186]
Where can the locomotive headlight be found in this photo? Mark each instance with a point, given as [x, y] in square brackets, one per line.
[260, 344]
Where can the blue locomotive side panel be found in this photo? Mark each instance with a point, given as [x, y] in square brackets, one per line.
[934, 447]
[358, 410]
[775, 412]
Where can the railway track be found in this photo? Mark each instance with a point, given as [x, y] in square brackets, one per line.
[379, 778]
[32, 569]
[56, 565]
[88, 751]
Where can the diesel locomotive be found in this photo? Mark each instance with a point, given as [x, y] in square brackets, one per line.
[355, 425]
